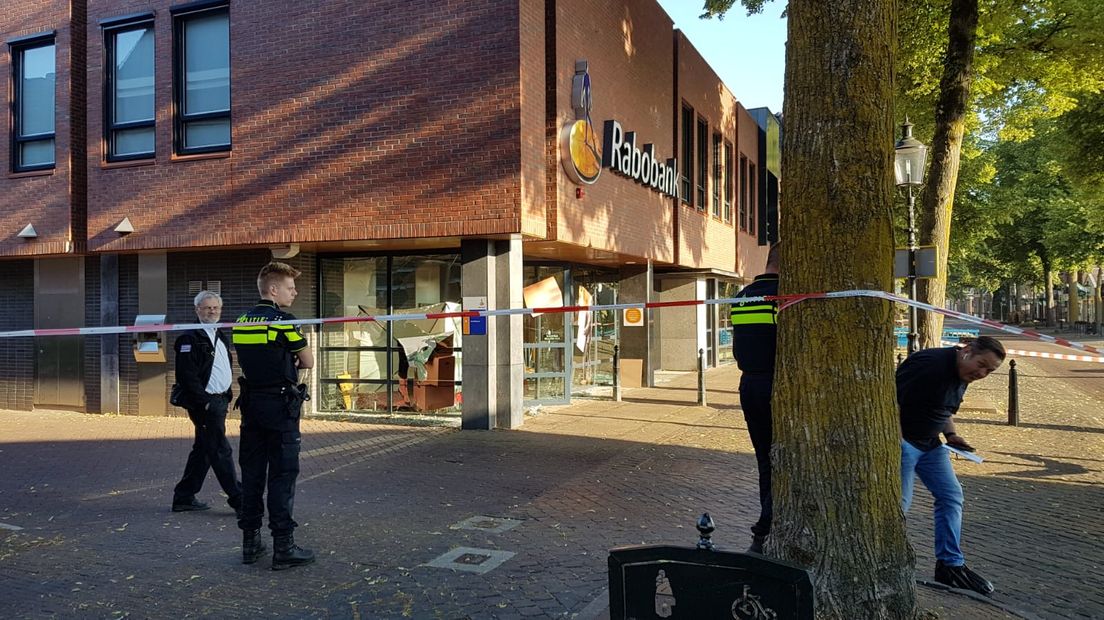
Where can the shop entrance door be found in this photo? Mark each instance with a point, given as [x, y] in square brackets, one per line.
[548, 337]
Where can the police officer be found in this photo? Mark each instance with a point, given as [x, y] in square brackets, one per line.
[271, 357]
[754, 333]
[203, 377]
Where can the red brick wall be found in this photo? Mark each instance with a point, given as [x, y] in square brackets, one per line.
[36, 198]
[705, 241]
[629, 46]
[533, 102]
[351, 120]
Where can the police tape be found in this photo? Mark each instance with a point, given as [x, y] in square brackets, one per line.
[785, 301]
[1049, 356]
[1056, 356]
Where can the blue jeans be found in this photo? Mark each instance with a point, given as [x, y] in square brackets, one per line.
[934, 469]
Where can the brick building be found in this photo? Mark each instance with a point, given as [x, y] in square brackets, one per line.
[405, 157]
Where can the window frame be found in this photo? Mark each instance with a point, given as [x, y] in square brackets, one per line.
[110, 31]
[716, 189]
[753, 195]
[686, 177]
[703, 164]
[16, 50]
[743, 192]
[729, 178]
[181, 15]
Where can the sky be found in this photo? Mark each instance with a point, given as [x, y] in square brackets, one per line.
[748, 53]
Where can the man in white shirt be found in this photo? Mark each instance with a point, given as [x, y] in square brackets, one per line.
[203, 378]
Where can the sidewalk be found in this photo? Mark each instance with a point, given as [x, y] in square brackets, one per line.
[379, 503]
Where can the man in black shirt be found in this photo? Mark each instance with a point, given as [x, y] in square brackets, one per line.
[271, 357]
[754, 334]
[930, 387]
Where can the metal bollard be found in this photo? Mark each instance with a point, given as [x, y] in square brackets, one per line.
[1013, 395]
[701, 377]
[617, 373]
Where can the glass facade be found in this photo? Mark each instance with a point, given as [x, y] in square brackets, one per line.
[546, 336]
[597, 332]
[388, 366]
[726, 289]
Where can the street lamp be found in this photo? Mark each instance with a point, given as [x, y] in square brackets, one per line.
[908, 167]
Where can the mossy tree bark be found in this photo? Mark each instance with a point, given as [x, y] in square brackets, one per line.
[836, 455]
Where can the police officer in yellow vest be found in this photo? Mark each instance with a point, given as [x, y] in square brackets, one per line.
[271, 400]
[754, 334]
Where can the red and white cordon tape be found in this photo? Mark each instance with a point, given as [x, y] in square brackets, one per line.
[1051, 356]
[1056, 356]
[785, 301]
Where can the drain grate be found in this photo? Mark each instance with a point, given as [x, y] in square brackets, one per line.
[470, 559]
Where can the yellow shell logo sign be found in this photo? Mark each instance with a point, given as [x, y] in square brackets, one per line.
[580, 148]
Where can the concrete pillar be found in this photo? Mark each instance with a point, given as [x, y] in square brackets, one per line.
[636, 342]
[510, 337]
[493, 367]
[679, 325]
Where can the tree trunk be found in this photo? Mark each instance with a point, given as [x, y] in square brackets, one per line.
[1074, 297]
[836, 456]
[1048, 287]
[937, 199]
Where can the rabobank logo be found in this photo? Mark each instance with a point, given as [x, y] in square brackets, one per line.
[580, 149]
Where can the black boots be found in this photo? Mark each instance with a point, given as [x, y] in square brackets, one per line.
[757, 543]
[253, 546]
[962, 577]
[286, 554]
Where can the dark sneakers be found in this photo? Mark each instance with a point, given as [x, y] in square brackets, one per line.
[189, 506]
[962, 577]
[757, 543]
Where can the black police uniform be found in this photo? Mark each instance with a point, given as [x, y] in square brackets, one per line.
[195, 357]
[754, 335]
[270, 404]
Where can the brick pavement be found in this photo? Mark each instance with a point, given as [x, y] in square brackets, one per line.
[378, 502]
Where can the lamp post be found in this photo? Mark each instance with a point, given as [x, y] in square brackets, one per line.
[909, 159]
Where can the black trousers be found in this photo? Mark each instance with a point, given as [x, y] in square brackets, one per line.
[269, 457]
[755, 400]
[210, 450]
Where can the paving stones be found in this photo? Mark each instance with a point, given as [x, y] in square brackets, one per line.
[379, 503]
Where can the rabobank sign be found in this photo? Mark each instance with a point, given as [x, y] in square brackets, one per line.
[621, 155]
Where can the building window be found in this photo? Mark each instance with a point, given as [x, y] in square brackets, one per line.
[34, 76]
[201, 63]
[743, 192]
[129, 104]
[717, 175]
[687, 177]
[728, 179]
[753, 197]
[703, 162]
